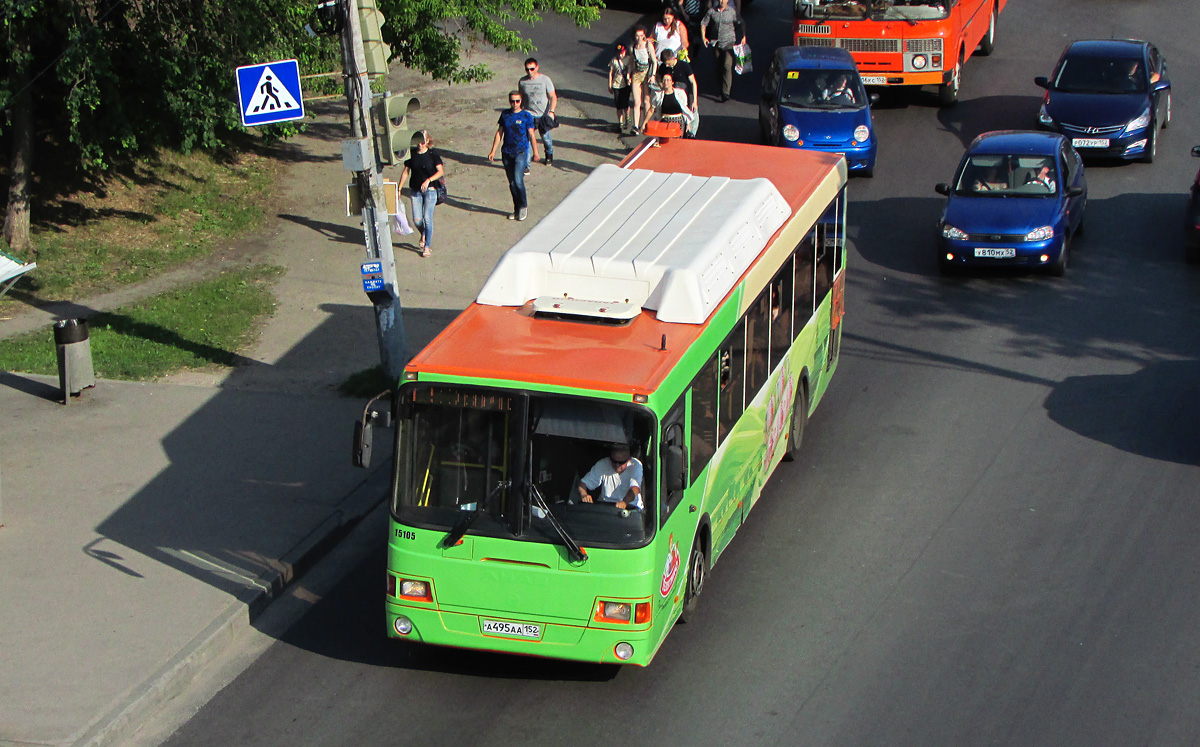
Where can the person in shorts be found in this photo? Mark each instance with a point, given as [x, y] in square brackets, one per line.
[619, 84]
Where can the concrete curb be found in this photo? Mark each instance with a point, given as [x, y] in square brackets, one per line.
[119, 724]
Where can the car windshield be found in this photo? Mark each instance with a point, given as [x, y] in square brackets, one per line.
[1101, 75]
[459, 457]
[821, 89]
[1007, 176]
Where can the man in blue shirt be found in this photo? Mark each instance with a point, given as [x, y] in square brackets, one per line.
[515, 140]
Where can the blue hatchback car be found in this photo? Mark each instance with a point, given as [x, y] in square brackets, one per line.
[812, 98]
[1017, 200]
[1110, 96]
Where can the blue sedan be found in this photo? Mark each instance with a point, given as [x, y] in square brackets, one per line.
[1110, 96]
[1016, 201]
[812, 98]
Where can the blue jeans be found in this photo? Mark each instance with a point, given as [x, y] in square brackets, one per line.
[422, 213]
[547, 147]
[514, 169]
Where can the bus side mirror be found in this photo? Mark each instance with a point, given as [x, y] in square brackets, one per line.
[873, 97]
[674, 459]
[942, 189]
[360, 455]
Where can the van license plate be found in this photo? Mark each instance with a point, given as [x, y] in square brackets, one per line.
[874, 80]
[995, 252]
[1090, 142]
[512, 629]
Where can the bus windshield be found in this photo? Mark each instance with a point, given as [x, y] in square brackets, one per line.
[910, 10]
[460, 451]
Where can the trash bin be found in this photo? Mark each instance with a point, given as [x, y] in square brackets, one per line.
[74, 357]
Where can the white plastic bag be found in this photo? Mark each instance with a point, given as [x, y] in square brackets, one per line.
[741, 59]
[402, 226]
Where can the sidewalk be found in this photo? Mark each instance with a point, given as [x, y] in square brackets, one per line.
[146, 523]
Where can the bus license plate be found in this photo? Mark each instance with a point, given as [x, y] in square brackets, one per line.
[874, 80]
[1089, 142]
[511, 629]
[995, 253]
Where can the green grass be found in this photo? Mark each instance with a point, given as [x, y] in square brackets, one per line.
[196, 326]
[161, 213]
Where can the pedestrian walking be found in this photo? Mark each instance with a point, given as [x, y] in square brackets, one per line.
[515, 140]
[681, 74]
[671, 33]
[674, 106]
[727, 31]
[645, 60]
[619, 78]
[540, 100]
[425, 170]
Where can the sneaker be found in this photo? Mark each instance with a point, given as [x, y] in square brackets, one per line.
[512, 215]
[523, 213]
[526, 171]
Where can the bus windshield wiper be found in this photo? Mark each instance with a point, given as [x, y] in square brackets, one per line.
[903, 15]
[573, 549]
[468, 518]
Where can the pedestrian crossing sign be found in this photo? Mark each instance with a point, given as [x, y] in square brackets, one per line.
[270, 92]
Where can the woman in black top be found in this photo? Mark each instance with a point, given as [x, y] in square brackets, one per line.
[424, 167]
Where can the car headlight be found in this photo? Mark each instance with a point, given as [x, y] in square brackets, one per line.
[1142, 121]
[790, 133]
[861, 133]
[1043, 117]
[1040, 234]
[950, 232]
[919, 62]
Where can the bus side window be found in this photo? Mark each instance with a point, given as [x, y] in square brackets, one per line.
[826, 240]
[804, 284]
[839, 256]
[758, 321]
[781, 312]
[704, 417]
[732, 379]
[673, 436]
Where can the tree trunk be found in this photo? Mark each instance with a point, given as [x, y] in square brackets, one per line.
[16, 219]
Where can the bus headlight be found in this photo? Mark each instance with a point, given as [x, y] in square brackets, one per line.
[950, 232]
[615, 612]
[623, 651]
[1040, 234]
[919, 61]
[403, 625]
[861, 133]
[790, 133]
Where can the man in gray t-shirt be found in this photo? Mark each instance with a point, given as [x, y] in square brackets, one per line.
[720, 30]
[539, 99]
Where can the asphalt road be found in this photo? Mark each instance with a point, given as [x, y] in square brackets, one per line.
[990, 536]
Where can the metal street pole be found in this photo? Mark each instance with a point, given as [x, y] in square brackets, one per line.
[389, 324]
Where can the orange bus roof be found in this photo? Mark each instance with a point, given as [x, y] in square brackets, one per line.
[510, 343]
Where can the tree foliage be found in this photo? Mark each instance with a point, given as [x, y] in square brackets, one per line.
[428, 35]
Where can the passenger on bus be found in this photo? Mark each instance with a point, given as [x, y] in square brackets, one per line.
[617, 478]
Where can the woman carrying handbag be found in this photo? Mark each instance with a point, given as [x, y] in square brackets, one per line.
[426, 172]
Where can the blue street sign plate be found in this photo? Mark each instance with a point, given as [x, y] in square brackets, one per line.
[372, 284]
[270, 93]
[372, 268]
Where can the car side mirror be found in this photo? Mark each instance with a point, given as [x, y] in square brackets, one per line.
[1042, 82]
[1162, 84]
[1074, 191]
[942, 188]
[1196, 151]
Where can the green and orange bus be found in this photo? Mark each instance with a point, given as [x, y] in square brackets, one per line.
[685, 302]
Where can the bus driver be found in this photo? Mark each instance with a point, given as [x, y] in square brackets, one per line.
[619, 477]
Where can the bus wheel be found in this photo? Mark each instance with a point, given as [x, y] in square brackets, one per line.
[799, 420]
[697, 572]
[948, 92]
[988, 43]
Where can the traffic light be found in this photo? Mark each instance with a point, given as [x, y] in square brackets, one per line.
[400, 130]
[370, 23]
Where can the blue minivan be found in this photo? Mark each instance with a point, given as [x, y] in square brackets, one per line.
[812, 98]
